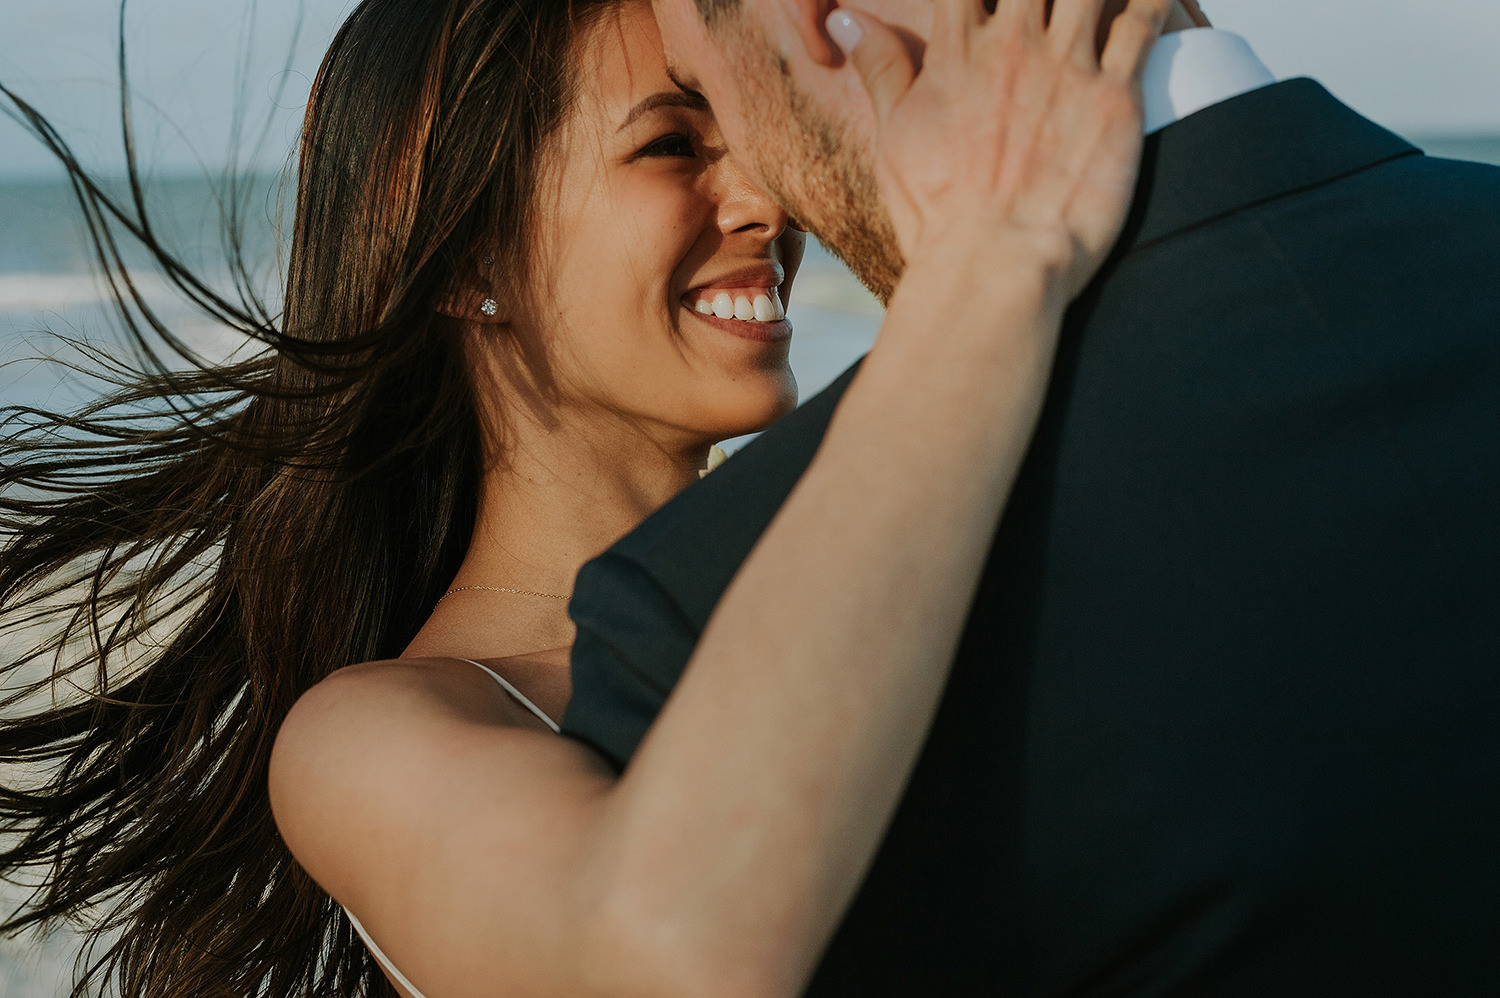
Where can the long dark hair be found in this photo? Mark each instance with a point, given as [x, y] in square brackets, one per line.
[190, 553]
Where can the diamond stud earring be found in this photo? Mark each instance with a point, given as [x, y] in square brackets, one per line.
[489, 307]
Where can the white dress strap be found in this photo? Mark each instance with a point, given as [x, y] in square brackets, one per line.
[381, 958]
[375, 950]
[520, 697]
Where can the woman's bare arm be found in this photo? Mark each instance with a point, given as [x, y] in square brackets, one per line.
[490, 859]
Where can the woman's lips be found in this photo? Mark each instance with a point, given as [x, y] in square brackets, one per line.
[762, 332]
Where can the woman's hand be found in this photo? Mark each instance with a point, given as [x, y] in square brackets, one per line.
[1012, 124]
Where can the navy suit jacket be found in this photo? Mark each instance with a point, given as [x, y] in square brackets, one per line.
[1226, 715]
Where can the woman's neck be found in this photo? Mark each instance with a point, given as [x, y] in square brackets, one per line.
[561, 495]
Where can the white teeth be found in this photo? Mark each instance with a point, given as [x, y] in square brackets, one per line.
[756, 305]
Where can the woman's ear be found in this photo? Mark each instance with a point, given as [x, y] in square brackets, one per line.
[474, 306]
[470, 301]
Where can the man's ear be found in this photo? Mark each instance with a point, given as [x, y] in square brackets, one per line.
[809, 18]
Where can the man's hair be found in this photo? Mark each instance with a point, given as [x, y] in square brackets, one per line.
[715, 12]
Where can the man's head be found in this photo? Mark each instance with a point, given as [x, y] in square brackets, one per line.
[795, 114]
[800, 127]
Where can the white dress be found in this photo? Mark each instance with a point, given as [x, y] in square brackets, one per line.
[375, 950]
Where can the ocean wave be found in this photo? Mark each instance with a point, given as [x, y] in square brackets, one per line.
[30, 291]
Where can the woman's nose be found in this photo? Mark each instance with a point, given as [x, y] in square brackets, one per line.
[743, 207]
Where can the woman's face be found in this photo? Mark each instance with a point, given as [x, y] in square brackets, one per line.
[662, 274]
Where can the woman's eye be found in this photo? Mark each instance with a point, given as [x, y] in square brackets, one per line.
[675, 144]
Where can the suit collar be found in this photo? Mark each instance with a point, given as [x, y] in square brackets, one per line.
[1254, 148]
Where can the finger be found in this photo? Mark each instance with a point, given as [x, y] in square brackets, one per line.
[1027, 18]
[952, 21]
[1075, 26]
[1132, 36]
[879, 56]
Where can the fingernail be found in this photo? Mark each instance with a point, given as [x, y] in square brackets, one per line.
[845, 30]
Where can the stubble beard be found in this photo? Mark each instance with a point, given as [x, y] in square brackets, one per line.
[822, 179]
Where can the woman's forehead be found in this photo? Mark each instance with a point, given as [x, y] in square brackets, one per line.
[622, 62]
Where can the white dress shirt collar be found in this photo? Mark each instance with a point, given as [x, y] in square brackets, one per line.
[1195, 69]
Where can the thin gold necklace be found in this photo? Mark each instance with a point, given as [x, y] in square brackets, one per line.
[498, 589]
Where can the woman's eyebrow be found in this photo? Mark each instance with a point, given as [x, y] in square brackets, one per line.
[666, 98]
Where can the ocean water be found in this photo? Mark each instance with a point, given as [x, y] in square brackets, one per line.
[1478, 148]
[48, 282]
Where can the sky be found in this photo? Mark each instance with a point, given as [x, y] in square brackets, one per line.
[1422, 67]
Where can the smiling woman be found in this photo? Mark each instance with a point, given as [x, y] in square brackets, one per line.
[266, 530]
[495, 328]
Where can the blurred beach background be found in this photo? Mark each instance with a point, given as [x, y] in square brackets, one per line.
[202, 73]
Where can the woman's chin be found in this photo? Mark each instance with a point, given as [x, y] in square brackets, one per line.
[754, 411]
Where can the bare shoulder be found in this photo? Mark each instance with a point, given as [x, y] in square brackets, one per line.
[361, 716]
[382, 760]
[402, 695]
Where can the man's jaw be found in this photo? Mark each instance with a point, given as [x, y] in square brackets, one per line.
[818, 175]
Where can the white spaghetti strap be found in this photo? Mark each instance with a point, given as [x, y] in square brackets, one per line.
[520, 697]
[375, 950]
[381, 958]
